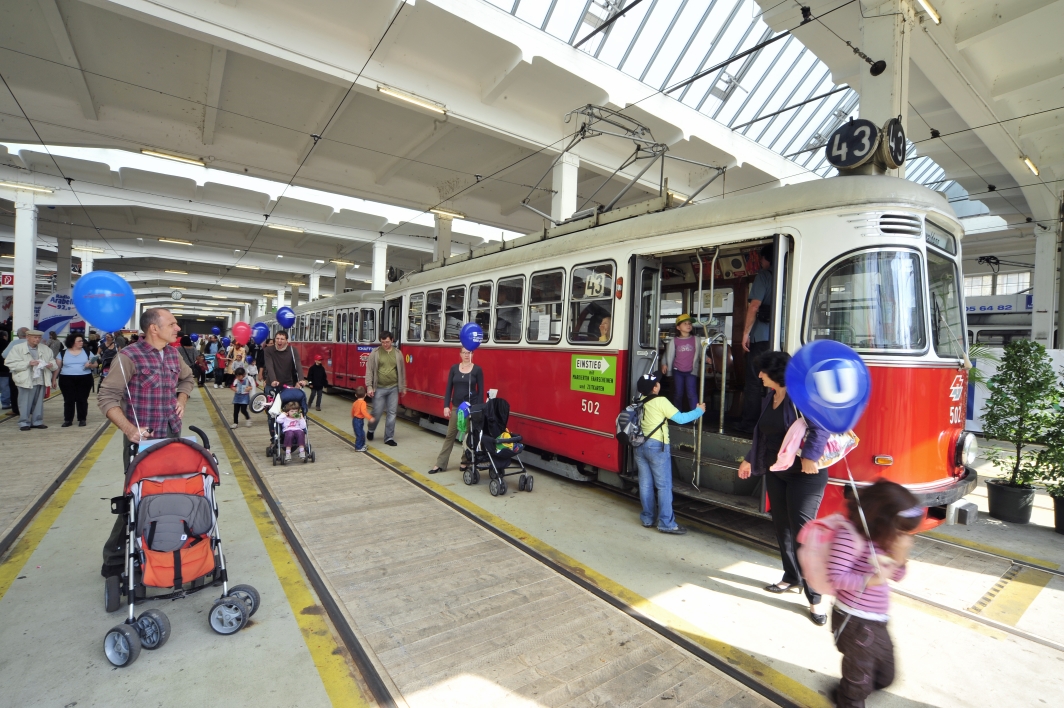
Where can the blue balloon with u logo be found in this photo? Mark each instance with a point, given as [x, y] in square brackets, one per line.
[260, 332]
[286, 316]
[830, 384]
[471, 335]
[194, 337]
[216, 330]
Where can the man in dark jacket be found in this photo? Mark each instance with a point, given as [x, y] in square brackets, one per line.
[318, 380]
[281, 364]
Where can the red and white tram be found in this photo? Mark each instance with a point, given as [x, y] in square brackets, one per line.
[575, 314]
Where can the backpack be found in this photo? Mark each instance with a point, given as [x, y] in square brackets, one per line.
[630, 424]
[814, 550]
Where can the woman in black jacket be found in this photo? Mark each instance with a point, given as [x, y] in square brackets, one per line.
[465, 383]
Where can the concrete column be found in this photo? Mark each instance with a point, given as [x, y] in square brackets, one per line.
[341, 279]
[563, 182]
[442, 233]
[314, 287]
[260, 306]
[86, 262]
[293, 295]
[280, 298]
[1060, 292]
[24, 293]
[62, 266]
[380, 265]
[886, 27]
[1045, 280]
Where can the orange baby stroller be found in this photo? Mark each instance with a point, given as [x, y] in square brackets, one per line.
[173, 543]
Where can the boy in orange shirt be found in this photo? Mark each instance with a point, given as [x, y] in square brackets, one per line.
[359, 416]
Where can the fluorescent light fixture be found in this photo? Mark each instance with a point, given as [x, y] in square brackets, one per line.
[932, 12]
[318, 260]
[177, 272]
[1030, 165]
[411, 98]
[220, 297]
[175, 158]
[295, 282]
[282, 227]
[178, 287]
[247, 267]
[86, 249]
[175, 240]
[448, 213]
[27, 187]
[355, 265]
[8, 255]
[200, 319]
[339, 261]
[228, 285]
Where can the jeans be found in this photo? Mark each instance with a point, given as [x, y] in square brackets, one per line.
[684, 382]
[31, 406]
[654, 460]
[385, 399]
[315, 393]
[753, 389]
[794, 499]
[75, 390]
[5, 392]
[359, 426]
[12, 392]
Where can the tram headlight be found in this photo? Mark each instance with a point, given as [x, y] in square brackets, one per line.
[967, 447]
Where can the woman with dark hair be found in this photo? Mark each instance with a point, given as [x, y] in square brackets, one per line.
[794, 494]
[75, 379]
[465, 384]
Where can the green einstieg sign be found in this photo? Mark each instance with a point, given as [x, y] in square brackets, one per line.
[594, 374]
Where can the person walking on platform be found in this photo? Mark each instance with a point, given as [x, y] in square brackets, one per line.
[794, 494]
[281, 364]
[221, 361]
[318, 380]
[757, 336]
[243, 389]
[682, 359]
[150, 383]
[76, 365]
[120, 340]
[12, 389]
[465, 384]
[385, 382]
[31, 364]
[359, 415]
[5, 375]
[188, 351]
[654, 457]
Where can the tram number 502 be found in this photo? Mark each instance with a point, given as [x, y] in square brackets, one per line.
[591, 407]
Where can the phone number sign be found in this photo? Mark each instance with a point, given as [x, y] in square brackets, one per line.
[593, 374]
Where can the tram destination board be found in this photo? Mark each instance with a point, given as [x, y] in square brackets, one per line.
[853, 144]
[892, 144]
[594, 374]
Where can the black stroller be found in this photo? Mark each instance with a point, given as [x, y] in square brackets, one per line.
[276, 448]
[491, 448]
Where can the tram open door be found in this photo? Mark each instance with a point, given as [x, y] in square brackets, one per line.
[643, 338]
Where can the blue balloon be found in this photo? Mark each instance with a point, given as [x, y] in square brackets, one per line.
[194, 337]
[215, 330]
[471, 335]
[260, 332]
[830, 384]
[104, 299]
[286, 317]
[226, 341]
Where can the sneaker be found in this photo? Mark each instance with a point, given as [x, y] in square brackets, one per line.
[647, 526]
[247, 423]
[369, 435]
[302, 453]
[232, 425]
[391, 443]
[676, 531]
[287, 455]
[362, 449]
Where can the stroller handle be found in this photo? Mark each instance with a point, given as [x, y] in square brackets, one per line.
[204, 440]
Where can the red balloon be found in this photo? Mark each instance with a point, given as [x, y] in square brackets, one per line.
[241, 332]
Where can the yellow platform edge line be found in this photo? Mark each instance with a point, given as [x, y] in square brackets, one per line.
[778, 681]
[45, 518]
[326, 652]
[1015, 598]
[987, 548]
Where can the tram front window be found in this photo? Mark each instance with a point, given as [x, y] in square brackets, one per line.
[871, 301]
[947, 330]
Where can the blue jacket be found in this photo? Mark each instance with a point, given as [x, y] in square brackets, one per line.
[815, 440]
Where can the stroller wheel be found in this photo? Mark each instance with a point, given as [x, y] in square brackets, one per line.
[249, 595]
[528, 484]
[153, 628]
[476, 476]
[495, 487]
[313, 457]
[467, 476]
[228, 615]
[112, 593]
[122, 645]
[275, 460]
[521, 482]
[258, 403]
[269, 451]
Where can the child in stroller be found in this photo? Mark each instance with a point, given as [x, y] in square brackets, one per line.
[278, 404]
[493, 449]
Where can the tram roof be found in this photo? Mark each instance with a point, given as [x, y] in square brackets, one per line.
[349, 299]
[880, 192]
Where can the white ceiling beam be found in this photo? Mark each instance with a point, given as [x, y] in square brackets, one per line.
[413, 148]
[69, 57]
[387, 37]
[214, 94]
[334, 110]
[131, 218]
[976, 27]
[1030, 81]
[193, 223]
[499, 82]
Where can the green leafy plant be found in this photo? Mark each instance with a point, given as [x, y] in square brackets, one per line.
[1051, 457]
[1021, 409]
[978, 353]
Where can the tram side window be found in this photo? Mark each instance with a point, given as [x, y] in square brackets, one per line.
[327, 327]
[414, 316]
[369, 326]
[591, 304]
[454, 313]
[509, 298]
[341, 326]
[433, 315]
[545, 307]
[872, 301]
[946, 318]
[297, 328]
[480, 307]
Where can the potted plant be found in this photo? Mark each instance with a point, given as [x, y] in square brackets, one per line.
[1020, 411]
[1051, 462]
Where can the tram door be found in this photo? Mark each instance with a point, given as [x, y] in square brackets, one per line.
[645, 313]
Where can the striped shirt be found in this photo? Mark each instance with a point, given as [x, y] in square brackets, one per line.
[849, 572]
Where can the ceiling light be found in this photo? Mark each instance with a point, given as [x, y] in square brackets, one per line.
[932, 12]
[200, 319]
[448, 213]
[282, 227]
[338, 261]
[1030, 165]
[178, 287]
[8, 255]
[294, 282]
[228, 285]
[247, 267]
[177, 272]
[220, 297]
[27, 187]
[318, 260]
[411, 98]
[176, 158]
[175, 240]
[86, 249]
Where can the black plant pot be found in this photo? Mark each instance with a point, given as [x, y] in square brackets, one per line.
[1012, 504]
[1058, 514]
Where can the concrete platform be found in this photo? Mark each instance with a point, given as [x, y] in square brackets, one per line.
[710, 588]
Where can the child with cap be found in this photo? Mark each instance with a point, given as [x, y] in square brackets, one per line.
[682, 359]
[318, 380]
[654, 457]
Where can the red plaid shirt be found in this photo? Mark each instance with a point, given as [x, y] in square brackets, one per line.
[153, 388]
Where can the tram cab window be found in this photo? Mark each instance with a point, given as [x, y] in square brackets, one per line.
[414, 316]
[480, 307]
[545, 307]
[454, 313]
[433, 315]
[947, 323]
[369, 326]
[871, 301]
[591, 304]
[509, 299]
